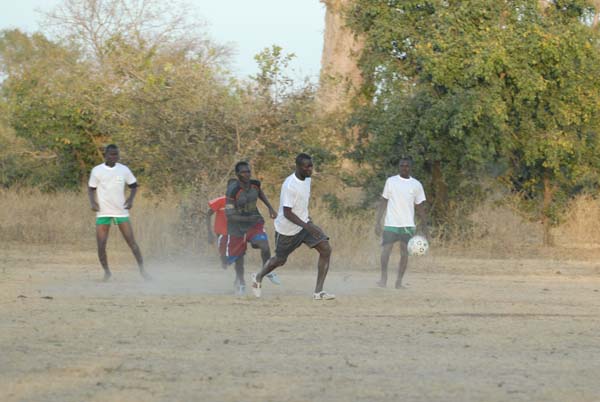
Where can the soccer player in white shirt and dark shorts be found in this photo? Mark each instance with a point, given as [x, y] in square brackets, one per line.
[107, 184]
[293, 227]
[401, 196]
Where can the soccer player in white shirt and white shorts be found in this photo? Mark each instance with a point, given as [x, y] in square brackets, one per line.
[401, 196]
[293, 228]
[107, 184]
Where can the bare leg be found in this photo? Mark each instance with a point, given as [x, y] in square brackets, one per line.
[270, 265]
[403, 263]
[386, 251]
[324, 250]
[127, 233]
[265, 254]
[265, 251]
[101, 239]
[222, 257]
[239, 271]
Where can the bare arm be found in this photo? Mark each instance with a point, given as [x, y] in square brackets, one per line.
[381, 209]
[292, 217]
[209, 233]
[264, 199]
[132, 193]
[92, 197]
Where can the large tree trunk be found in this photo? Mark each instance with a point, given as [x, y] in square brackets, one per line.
[439, 206]
[340, 76]
[596, 4]
[546, 205]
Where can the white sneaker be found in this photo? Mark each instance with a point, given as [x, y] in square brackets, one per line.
[274, 278]
[323, 296]
[240, 290]
[256, 286]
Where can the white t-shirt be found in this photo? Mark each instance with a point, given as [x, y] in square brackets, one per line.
[402, 195]
[110, 188]
[295, 194]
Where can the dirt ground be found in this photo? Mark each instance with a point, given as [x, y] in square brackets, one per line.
[463, 330]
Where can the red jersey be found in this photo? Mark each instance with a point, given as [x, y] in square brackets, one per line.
[218, 206]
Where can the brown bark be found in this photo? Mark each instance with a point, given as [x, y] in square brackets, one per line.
[546, 204]
[596, 4]
[340, 75]
[440, 192]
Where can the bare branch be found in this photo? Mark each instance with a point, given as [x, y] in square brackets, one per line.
[143, 24]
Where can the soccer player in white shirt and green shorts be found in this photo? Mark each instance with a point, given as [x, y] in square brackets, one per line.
[401, 196]
[106, 191]
[293, 228]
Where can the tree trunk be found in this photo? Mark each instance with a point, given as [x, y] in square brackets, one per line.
[440, 193]
[340, 76]
[596, 4]
[546, 204]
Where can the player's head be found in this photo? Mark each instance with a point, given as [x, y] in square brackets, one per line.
[242, 171]
[404, 166]
[304, 165]
[111, 154]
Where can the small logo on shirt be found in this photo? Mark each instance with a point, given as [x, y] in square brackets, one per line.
[119, 179]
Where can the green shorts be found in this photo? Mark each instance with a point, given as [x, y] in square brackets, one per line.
[392, 234]
[107, 220]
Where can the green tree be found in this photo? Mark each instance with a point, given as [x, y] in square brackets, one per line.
[432, 71]
[552, 92]
[462, 86]
[142, 75]
[43, 92]
[281, 117]
[138, 73]
[174, 113]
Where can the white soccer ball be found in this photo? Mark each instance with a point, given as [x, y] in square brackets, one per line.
[418, 245]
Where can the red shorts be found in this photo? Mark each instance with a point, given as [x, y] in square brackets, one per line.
[234, 247]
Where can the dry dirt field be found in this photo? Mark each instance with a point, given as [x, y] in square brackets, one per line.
[463, 330]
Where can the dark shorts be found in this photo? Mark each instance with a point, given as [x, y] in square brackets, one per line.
[394, 234]
[285, 245]
[234, 247]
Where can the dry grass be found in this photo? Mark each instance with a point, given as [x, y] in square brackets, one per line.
[580, 225]
[498, 231]
[165, 227]
[30, 216]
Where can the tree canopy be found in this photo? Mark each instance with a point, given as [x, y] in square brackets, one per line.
[473, 87]
[143, 75]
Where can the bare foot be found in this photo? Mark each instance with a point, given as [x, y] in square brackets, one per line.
[107, 276]
[381, 283]
[400, 286]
